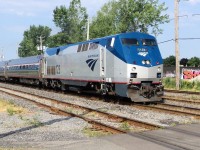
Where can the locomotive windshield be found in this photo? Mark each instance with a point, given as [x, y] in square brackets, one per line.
[149, 42]
[129, 41]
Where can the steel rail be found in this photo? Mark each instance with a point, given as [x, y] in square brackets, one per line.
[108, 115]
[169, 98]
[180, 107]
[96, 124]
[185, 92]
[170, 111]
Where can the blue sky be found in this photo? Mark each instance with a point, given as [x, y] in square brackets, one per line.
[17, 15]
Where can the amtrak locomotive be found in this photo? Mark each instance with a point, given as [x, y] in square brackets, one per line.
[128, 65]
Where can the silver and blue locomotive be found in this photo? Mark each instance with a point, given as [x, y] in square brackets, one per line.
[128, 65]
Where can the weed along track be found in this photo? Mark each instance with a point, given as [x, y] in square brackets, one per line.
[99, 119]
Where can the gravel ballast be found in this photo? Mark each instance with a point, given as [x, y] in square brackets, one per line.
[37, 125]
[17, 131]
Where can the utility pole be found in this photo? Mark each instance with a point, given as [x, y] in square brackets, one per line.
[2, 56]
[88, 29]
[41, 47]
[176, 13]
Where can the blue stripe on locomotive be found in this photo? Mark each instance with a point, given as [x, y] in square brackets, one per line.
[128, 54]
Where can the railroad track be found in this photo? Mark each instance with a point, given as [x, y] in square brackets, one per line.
[184, 92]
[65, 108]
[182, 100]
[167, 108]
[171, 109]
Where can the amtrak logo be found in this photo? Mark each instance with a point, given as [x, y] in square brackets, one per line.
[91, 63]
[143, 53]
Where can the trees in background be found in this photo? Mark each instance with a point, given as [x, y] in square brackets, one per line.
[184, 62]
[73, 23]
[116, 16]
[169, 61]
[28, 46]
[192, 62]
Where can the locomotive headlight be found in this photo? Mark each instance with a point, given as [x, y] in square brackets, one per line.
[147, 62]
[159, 69]
[134, 68]
[143, 62]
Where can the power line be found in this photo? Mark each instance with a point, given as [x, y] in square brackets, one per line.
[166, 41]
[179, 39]
[189, 38]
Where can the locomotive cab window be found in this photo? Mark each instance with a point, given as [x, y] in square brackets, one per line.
[129, 41]
[149, 42]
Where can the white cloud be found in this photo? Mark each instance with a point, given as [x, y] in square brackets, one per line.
[28, 7]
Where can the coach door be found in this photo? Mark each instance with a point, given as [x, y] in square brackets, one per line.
[43, 67]
[102, 62]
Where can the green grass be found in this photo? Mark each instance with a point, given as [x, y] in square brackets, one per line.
[90, 132]
[170, 83]
[11, 108]
[33, 121]
[11, 111]
[125, 126]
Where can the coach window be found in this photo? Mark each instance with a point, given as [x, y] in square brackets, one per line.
[129, 41]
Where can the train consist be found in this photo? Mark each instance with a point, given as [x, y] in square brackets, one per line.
[128, 65]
